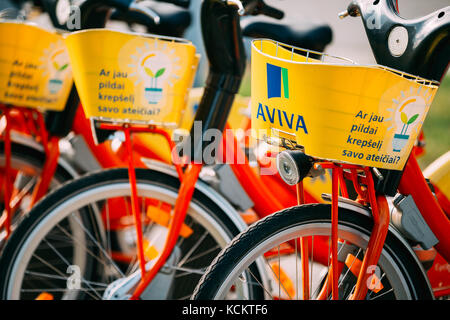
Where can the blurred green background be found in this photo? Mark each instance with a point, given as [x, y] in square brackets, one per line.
[436, 127]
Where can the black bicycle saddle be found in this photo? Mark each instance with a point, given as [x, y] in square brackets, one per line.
[307, 35]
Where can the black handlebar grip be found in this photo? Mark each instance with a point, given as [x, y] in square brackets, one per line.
[272, 12]
[180, 3]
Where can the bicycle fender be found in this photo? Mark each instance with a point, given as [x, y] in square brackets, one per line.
[25, 140]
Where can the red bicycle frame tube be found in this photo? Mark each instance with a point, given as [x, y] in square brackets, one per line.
[413, 183]
[135, 201]
[32, 122]
[48, 170]
[256, 186]
[304, 248]
[334, 232]
[181, 205]
[7, 170]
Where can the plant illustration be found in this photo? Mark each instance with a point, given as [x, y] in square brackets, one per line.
[55, 84]
[59, 68]
[407, 122]
[154, 76]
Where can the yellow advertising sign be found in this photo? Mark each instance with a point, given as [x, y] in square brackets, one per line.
[366, 115]
[34, 67]
[131, 78]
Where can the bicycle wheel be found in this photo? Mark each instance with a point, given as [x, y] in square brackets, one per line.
[83, 224]
[26, 167]
[399, 271]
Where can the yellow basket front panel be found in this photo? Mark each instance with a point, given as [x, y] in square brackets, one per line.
[365, 115]
[34, 67]
[130, 78]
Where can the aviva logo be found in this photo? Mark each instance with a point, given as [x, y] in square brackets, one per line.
[277, 81]
[277, 78]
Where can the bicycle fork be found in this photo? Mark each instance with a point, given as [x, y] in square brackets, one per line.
[364, 186]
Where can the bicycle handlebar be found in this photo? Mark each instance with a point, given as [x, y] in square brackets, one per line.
[141, 8]
[419, 46]
[272, 12]
[126, 4]
[256, 7]
[95, 12]
[180, 3]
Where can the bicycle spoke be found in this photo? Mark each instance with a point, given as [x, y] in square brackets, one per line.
[99, 246]
[190, 270]
[93, 255]
[381, 278]
[193, 248]
[22, 193]
[108, 230]
[386, 292]
[280, 285]
[349, 268]
[296, 270]
[63, 290]
[200, 255]
[279, 276]
[63, 259]
[54, 269]
[259, 283]
[134, 265]
[56, 277]
[311, 267]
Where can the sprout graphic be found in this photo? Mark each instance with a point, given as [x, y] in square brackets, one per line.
[59, 68]
[154, 65]
[406, 121]
[408, 111]
[153, 93]
[56, 83]
[154, 76]
[401, 139]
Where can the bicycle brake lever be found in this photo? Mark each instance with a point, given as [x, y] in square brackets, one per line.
[142, 8]
[238, 3]
[343, 14]
[352, 10]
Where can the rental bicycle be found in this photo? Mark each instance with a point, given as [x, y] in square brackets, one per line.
[361, 122]
[31, 157]
[83, 211]
[104, 155]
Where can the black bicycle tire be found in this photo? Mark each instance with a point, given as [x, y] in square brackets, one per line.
[90, 180]
[36, 157]
[223, 264]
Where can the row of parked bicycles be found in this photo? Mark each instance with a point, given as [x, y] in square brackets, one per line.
[121, 181]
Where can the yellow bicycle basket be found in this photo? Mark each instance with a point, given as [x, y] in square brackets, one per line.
[132, 78]
[34, 67]
[336, 109]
